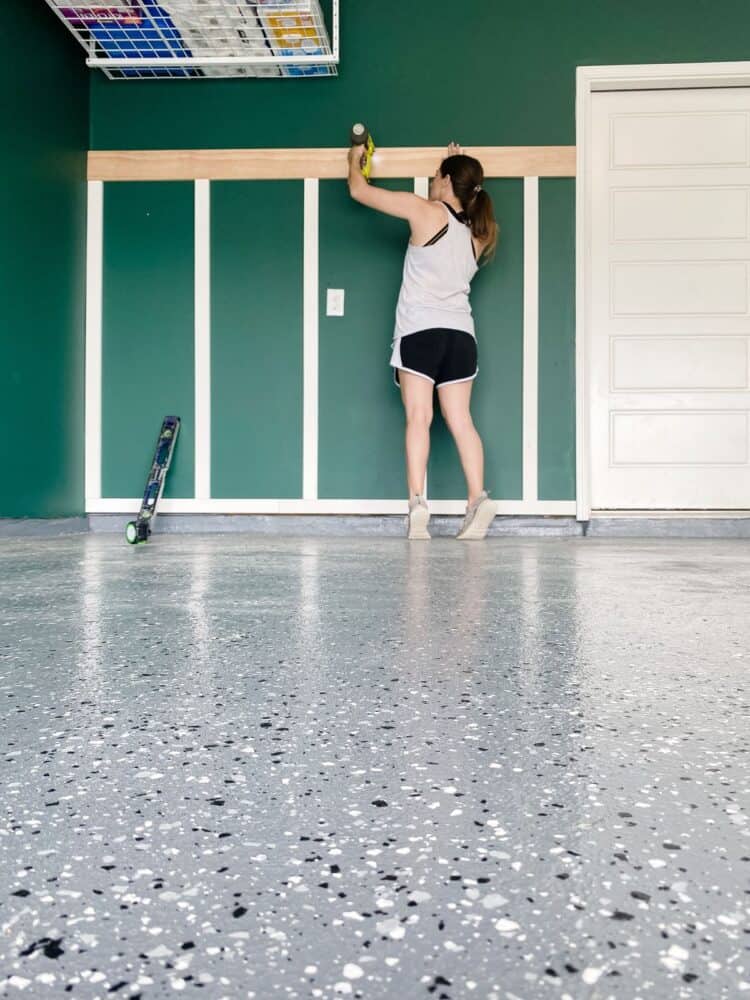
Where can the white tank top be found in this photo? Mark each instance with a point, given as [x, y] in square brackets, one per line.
[435, 286]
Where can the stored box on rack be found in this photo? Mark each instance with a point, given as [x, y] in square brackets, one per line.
[216, 30]
[295, 29]
[133, 31]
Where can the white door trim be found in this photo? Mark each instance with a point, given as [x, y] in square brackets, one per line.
[661, 76]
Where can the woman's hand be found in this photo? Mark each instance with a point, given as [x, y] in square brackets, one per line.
[357, 182]
[356, 154]
[454, 149]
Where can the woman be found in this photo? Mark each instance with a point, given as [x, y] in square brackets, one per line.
[434, 343]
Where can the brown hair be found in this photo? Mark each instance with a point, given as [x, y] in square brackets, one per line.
[467, 177]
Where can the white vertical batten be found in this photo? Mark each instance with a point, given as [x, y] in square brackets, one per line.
[202, 339]
[530, 337]
[422, 188]
[583, 255]
[310, 343]
[93, 356]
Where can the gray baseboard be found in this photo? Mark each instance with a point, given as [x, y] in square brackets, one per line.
[672, 526]
[392, 525]
[42, 527]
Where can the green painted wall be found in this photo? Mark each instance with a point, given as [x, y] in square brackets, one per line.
[557, 439]
[256, 339]
[148, 322]
[44, 135]
[361, 423]
[486, 73]
[361, 438]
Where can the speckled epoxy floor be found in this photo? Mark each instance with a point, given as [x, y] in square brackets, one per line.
[350, 767]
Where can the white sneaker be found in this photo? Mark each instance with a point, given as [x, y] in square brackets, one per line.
[419, 517]
[479, 517]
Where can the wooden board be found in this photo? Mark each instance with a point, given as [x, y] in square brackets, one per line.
[282, 164]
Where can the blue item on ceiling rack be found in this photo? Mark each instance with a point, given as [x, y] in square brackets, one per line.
[311, 70]
[153, 36]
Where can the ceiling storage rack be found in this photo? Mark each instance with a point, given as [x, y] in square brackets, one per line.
[136, 39]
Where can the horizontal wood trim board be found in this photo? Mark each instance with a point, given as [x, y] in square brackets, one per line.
[285, 164]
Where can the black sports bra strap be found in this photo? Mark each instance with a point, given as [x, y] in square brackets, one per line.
[459, 216]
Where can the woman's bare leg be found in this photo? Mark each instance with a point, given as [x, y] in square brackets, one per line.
[416, 393]
[454, 403]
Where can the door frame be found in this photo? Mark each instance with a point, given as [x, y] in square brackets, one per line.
[590, 79]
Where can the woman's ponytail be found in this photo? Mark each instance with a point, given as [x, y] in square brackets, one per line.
[467, 177]
[481, 217]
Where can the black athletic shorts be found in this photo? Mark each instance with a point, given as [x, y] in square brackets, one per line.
[442, 356]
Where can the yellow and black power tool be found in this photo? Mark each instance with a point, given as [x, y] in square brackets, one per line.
[360, 136]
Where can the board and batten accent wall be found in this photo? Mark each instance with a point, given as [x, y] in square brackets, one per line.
[207, 272]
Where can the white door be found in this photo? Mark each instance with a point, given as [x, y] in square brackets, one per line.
[668, 345]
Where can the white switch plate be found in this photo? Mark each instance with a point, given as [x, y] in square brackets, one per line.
[334, 302]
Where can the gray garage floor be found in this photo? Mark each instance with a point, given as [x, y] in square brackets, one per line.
[350, 767]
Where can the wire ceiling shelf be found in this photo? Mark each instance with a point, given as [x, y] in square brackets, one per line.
[137, 39]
